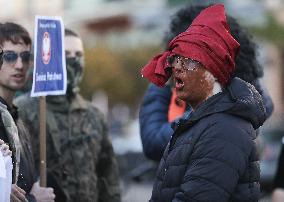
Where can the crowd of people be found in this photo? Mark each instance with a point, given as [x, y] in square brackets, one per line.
[199, 118]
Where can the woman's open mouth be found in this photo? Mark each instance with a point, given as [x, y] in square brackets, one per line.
[179, 83]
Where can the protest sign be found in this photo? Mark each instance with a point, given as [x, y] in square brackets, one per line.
[49, 76]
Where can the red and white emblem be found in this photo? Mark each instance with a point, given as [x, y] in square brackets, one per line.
[46, 48]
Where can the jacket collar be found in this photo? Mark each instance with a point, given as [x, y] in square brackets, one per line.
[78, 103]
[239, 99]
[13, 110]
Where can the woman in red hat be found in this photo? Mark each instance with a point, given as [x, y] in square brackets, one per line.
[212, 154]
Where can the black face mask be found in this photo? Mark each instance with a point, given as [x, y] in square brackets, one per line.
[74, 66]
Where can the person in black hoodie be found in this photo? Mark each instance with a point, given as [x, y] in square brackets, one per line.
[212, 155]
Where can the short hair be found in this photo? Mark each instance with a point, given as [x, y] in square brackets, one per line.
[15, 33]
[247, 65]
[69, 32]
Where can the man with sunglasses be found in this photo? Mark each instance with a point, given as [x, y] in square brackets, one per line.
[16, 44]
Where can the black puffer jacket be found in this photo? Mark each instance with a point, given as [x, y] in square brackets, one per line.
[212, 156]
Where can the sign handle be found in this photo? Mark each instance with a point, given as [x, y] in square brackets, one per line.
[42, 139]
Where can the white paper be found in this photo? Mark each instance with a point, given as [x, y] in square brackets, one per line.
[6, 167]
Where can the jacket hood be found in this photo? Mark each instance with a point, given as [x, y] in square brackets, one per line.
[239, 98]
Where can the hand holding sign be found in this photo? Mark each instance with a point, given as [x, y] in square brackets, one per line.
[49, 77]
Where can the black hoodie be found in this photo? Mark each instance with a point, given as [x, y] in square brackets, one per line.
[212, 156]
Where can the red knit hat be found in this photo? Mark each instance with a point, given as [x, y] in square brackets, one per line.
[207, 40]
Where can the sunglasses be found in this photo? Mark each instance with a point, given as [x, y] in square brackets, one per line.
[11, 57]
[1, 56]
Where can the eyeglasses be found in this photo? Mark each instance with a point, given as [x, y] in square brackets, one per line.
[10, 57]
[186, 63]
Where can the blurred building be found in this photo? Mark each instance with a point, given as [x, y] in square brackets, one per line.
[24, 11]
[119, 23]
[126, 22]
[114, 21]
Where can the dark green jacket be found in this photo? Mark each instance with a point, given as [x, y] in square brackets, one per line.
[81, 163]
